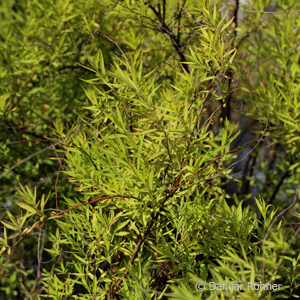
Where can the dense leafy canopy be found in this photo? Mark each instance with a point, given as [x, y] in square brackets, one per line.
[147, 146]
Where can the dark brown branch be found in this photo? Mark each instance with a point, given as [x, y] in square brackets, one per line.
[226, 108]
[164, 28]
[138, 246]
[282, 178]
[246, 181]
[179, 19]
[155, 12]
[159, 12]
[235, 15]
[164, 11]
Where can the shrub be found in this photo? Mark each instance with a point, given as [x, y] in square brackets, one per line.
[141, 208]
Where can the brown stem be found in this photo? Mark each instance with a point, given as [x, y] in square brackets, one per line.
[138, 246]
[282, 178]
[226, 108]
[176, 43]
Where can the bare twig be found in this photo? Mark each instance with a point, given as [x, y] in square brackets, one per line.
[163, 27]
[273, 12]
[24, 160]
[282, 178]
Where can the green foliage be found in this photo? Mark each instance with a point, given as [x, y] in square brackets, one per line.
[274, 48]
[137, 102]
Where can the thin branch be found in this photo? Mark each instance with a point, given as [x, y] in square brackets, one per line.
[138, 246]
[42, 221]
[282, 178]
[246, 180]
[235, 14]
[179, 19]
[34, 184]
[164, 11]
[155, 12]
[24, 160]
[163, 27]
[272, 12]
[93, 201]
[114, 42]
[208, 119]
[94, 33]
[226, 107]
